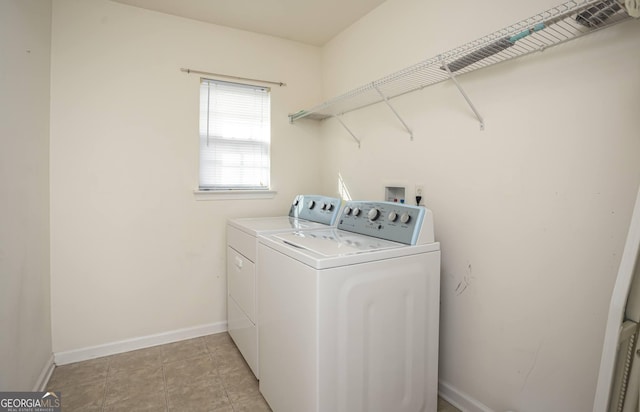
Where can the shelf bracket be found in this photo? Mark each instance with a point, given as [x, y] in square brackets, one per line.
[347, 129]
[461, 90]
[394, 111]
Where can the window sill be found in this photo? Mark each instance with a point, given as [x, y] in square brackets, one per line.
[233, 194]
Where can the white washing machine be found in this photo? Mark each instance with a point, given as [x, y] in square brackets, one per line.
[349, 316]
[308, 212]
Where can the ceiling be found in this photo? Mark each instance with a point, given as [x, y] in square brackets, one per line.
[312, 22]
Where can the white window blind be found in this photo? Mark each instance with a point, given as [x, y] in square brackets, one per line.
[235, 134]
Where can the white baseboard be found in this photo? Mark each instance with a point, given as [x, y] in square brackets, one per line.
[77, 355]
[47, 370]
[460, 399]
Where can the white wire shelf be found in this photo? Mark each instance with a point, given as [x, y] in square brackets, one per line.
[555, 26]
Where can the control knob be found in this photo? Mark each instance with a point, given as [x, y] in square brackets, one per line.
[392, 216]
[405, 218]
[311, 204]
[356, 211]
[373, 214]
[327, 206]
[347, 210]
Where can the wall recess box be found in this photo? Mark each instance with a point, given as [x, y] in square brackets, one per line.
[395, 194]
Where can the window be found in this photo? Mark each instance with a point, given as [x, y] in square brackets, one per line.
[235, 133]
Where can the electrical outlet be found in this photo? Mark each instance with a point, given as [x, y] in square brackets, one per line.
[419, 190]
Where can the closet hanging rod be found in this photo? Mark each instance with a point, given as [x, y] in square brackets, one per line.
[232, 77]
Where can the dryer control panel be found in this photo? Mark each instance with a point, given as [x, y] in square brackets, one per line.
[397, 222]
[315, 208]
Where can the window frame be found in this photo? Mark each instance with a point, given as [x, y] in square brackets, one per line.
[258, 143]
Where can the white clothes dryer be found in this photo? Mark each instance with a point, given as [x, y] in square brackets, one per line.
[349, 315]
[308, 212]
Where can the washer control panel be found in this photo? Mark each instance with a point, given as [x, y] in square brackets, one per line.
[315, 208]
[385, 220]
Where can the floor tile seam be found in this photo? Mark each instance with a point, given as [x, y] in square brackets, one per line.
[74, 382]
[184, 359]
[206, 345]
[224, 388]
[106, 383]
[213, 349]
[166, 390]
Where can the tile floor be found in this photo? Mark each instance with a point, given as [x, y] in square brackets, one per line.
[202, 374]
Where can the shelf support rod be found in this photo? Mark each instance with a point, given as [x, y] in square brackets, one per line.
[347, 129]
[393, 110]
[469, 102]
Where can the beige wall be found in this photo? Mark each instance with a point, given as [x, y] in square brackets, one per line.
[25, 322]
[531, 213]
[133, 253]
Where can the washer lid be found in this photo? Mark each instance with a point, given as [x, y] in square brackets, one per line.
[335, 243]
[259, 225]
[330, 248]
